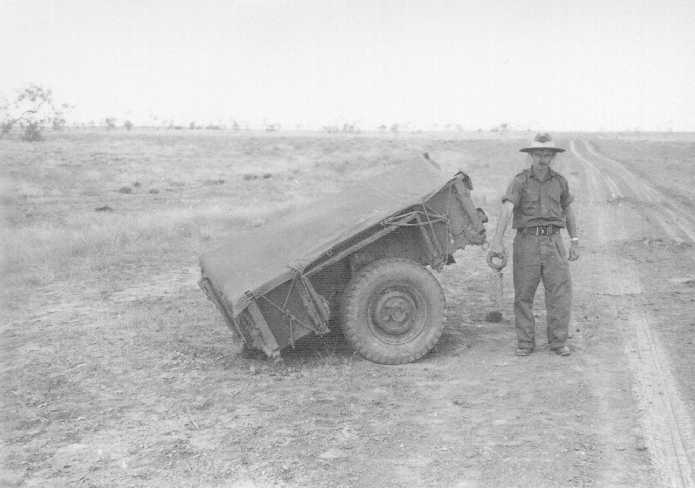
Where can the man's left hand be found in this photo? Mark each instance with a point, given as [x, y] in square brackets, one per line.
[574, 251]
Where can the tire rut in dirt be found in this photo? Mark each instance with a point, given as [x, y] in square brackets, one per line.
[664, 419]
[393, 311]
[665, 211]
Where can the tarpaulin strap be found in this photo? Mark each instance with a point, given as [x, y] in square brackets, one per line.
[269, 343]
[410, 219]
[289, 292]
[433, 216]
[319, 300]
[253, 299]
[291, 326]
[314, 309]
[403, 220]
[289, 314]
[297, 268]
[313, 302]
[427, 240]
[449, 209]
[437, 244]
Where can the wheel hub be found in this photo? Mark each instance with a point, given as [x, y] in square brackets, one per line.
[394, 312]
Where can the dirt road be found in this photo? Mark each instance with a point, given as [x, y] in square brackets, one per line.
[624, 207]
[117, 372]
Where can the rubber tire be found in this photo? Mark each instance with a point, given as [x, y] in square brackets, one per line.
[355, 304]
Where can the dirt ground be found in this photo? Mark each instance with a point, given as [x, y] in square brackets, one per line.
[116, 371]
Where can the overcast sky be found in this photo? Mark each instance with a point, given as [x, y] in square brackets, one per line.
[549, 64]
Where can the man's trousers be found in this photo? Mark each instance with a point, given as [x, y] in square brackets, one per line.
[541, 258]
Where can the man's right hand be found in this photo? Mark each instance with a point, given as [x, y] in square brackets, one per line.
[497, 256]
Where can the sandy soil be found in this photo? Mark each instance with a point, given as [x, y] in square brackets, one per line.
[117, 372]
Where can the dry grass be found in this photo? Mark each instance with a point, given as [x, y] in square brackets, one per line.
[117, 372]
[113, 362]
[202, 189]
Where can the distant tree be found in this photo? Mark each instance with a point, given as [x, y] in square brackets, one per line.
[59, 123]
[394, 128]
[32, 110]
[128, 125]
[235, 126]
[32, 132]
[5, 121]
[503, 128]
[382, 127]
[110, 123]
[193, 126]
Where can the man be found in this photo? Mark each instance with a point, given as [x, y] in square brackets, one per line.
[540, 203]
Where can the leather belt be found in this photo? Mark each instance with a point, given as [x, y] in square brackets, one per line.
[540, 230]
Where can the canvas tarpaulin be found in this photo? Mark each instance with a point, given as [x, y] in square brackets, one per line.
[253, 259]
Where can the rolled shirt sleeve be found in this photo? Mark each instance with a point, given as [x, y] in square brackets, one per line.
[565, 197]
[513, 193]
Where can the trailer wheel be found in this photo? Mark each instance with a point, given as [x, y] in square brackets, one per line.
[393, 311]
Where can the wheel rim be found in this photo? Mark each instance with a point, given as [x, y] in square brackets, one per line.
[397, 314]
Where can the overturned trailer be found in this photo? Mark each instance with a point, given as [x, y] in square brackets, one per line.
[356, 259]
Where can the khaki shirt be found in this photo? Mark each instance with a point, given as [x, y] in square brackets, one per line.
[538, 202]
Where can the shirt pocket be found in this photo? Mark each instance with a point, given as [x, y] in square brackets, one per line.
[530, 200]
[553, 202]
